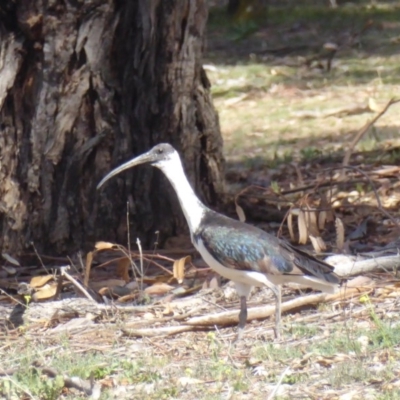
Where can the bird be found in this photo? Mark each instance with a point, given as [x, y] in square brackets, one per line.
[242, 253]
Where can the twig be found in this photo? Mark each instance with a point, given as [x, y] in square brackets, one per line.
[139, 245]
[362, 132]
[147, 257]
[155, 248]
[39, 258]
[166, 330]
[128, 254]
[6, 372]
[378, 200]
[13, 298]
[16, 384]
[76, 283]
[273, 393]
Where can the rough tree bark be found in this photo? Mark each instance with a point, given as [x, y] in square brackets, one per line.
[84, 86]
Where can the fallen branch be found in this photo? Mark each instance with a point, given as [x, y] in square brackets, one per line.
[362, 132]
[347, 266]
[262, 312]
[231, 317]
[164, 331]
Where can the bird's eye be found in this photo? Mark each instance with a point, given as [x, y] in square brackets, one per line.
[160, 151]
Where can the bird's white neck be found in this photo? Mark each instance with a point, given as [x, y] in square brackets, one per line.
[192, 207]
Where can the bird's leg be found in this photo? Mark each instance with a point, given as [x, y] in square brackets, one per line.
[278, 300]
[242, 316]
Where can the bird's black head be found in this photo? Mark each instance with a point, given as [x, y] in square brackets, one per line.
[159, 156]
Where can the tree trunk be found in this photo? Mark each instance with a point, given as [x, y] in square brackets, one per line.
[84, 86]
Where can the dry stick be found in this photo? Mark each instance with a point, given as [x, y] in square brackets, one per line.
[129, 255]
[139, 245]
[104, 264]
[378, 200]
[155, 248]
[12, 298]
[320, 185]
[11, 371]
[167, 330]
[165, 319]
[40, 259]
[76, 283]
[231, 317]
[20, 387]
[362, 132]
[88, 267]
[273, 393]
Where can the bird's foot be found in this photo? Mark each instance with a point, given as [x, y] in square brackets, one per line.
[277, 333]
[239, 334]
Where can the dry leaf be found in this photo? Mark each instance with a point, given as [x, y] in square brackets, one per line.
[185, 381]
[9, 270]
[168, 310]
[89, 259]
[326, 211]
[38, 281]
[128, 298]
[103, 245]
[240, 212]
[46, 292]
[303, 232]
[322, 219]
[311, 219]
[318, 243]
[148, 315]
[327, 361]
[373, 106]
[10, 259]
[179, 268]
[290, 226]
[121, 291]
[123, 266]
[158, 289]
[108, 283]
[106, 292]
[157, 279]
[339, 234]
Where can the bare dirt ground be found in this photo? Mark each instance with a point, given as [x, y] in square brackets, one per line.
[287, 123]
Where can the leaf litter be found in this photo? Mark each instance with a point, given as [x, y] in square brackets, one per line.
[166, 330]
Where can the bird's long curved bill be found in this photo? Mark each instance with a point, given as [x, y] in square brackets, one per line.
[142, 159]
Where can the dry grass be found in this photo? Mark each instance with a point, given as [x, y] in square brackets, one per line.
[349, 349]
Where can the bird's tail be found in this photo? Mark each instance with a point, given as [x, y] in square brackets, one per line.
[314, 283]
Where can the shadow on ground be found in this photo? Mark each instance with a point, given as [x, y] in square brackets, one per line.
[294, 34]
